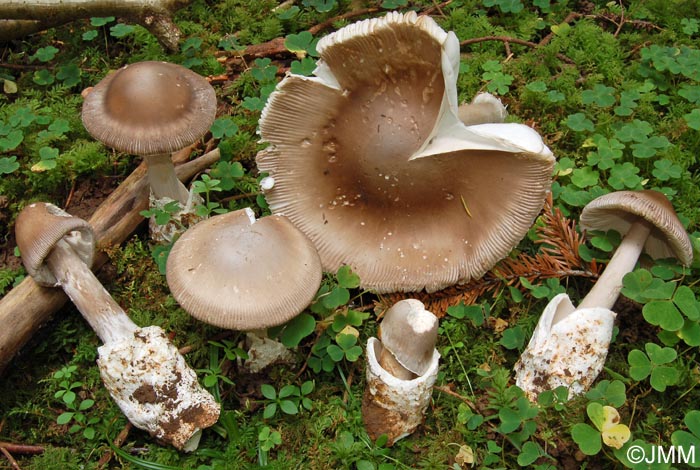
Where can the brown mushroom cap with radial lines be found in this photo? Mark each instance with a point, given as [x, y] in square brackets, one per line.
[347, 154]
[239, 273]
[37, 230]
[619, 210]
[149, 108]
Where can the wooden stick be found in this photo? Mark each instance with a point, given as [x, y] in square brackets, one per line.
[26, 307]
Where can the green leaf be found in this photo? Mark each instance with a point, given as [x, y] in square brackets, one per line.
[579, 123]
[65, 418]
[662, 377]
[585, 177]
[305, 67]
[347, 278]
[89, 35]
[268, 391]
[600, 95]
[530, 452]
[288, 13]
[365, 464]
[665, 170]
[44, 77]
[121, 30]
[693, 119]
[86, 404]
[624, 176]
[596, 413]
[270, 410]
[640, 365]
[537, 86]
[513, 338]
[297, 329]
[659, 355]
[690, 333]
[587, 438]
[336, 297]
[335, 353]
[664, 314]
[223, 127]
[321, 6]
[45, 54]
[301, 44]
[289, 407]
[101, 21]
[8, 165]
[684, 298]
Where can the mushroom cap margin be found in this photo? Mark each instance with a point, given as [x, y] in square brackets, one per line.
[619, 210]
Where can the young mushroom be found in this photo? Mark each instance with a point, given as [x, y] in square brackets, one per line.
[569, 344]
[236, 272]
[394, 184]
[152, 109]
[144, 373]
[402, 367]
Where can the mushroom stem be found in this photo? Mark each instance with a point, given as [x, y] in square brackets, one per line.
[104, 315]
[163, 180]
[607, 288]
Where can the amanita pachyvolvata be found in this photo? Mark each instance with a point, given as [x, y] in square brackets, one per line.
[144, 372]
[402, 367]
[570, 344]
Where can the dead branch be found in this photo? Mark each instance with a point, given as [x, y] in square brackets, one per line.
[26, 307]
[21, 17]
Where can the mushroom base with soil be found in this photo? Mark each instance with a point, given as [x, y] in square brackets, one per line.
[394, 406]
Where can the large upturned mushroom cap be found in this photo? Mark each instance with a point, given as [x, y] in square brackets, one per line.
[619, 210]
[149, 108]
[372, 163]
[236, 272]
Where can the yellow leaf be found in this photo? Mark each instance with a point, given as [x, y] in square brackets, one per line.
[465, 455]
[614, 433]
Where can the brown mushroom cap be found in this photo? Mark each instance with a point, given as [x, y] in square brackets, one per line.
[340, 155]
[409, 332]
[149, 108]
[39, 227]
[619, 210]
[236, 272]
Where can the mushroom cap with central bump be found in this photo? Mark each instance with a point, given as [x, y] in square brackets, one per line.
[371, 162]
[149, 108]
[235, 272]
[619, 210]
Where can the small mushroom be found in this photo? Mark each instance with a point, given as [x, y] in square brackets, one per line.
[402, 367]
[236, 272]
[394, 184]
[483, 109]
[569, 344]
[152, 109]
[145, 374]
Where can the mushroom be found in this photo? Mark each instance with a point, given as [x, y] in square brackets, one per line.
[484, 108]
[152, 109]
[402, 367]
[145, 374]
[236, 272]
[569, 344]
[371, 162]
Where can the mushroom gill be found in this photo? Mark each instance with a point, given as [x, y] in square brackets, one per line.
[371, 162]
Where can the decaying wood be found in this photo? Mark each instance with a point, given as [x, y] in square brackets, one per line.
[26, 307]
[21, 17]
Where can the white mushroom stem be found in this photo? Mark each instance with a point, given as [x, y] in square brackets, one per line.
[163, 180]
[104, 315]
[142, 370]
[607, 288]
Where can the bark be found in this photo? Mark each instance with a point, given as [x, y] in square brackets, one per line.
[21, 17]
[26, 307]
